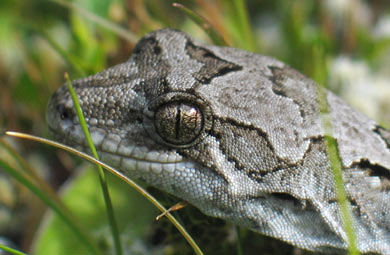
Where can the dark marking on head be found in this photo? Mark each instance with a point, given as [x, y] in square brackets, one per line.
[280, 78]
[375, 170]
[213, 66]
[384, 135]
[257, 166]
[157, 50]
[147, 45]
[317, 144]
[277, 81]
[149, 58]
[278, 86]
[153, 68]
[130, 116]
[287, 198]
[192, 91]
[154, 87]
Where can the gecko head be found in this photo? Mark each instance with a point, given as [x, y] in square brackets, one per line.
[236, 134]
[182, 116]
[143, 116]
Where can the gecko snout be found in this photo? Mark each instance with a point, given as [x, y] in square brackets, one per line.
[59, 114]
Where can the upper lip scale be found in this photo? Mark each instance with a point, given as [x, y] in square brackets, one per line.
[99, 149]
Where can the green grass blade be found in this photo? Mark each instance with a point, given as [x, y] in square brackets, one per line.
[64, 54]
[13, 251]
[43, 186]
[86, 239]
[30, 171]
[68, 58]
[102, 174]
[336, 166]
[203, 23]
[123, 33]
[241, 21]
[239, 241]
[120, 175]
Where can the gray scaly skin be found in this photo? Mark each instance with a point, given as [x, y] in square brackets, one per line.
[239, 136]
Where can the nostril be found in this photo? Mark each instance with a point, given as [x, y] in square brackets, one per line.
[64, 112]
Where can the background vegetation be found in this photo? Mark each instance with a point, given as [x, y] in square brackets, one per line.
[343, 44]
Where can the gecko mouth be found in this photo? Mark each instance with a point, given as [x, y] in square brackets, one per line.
[121, 153]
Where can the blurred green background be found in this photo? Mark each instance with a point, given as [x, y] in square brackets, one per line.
[342, 44]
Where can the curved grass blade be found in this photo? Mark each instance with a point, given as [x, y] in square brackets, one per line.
[204, 24]
[13, 251]
[243, 19]
[102, 175]
[73, 62]
[46, 189]
[239, 241]
[336, 166]
[25, 166]
[64, 54]
[120, 175]
[241, 25]
[27, 182]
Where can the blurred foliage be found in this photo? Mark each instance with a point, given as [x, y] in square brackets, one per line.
[312, 36]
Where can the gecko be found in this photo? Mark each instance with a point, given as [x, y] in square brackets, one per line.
[239, 136]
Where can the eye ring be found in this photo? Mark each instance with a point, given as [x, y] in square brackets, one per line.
[178, 123]
[177, 119]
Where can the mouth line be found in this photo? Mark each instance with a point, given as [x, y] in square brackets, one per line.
[158, 158]
[140, 159]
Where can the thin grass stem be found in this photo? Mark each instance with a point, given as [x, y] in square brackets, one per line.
[138, 188]
[102, 174]
[336, 167]
[204, 24]
[25, 181]
[13, 251]
[244, 25]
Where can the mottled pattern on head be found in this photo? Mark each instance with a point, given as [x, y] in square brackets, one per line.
[239, 136]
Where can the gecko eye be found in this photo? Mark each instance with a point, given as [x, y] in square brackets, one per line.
[178, 123]
[178, 119]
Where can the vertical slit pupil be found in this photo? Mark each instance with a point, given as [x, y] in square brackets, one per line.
[178, 122]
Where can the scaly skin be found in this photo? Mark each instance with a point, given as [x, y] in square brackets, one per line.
[239, 136]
